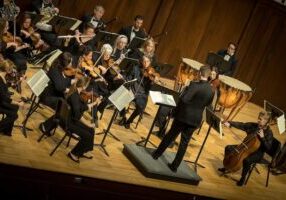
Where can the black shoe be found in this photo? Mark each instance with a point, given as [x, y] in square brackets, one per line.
[72, 157]
[172, 168]
[223, 170]
[240, 182]
[42, 129]
[155, 156]
[127, 125]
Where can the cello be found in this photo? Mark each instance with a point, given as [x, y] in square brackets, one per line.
[233, 160]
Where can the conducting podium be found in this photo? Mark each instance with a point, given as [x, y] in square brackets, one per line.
[162, 100]
[120, 99]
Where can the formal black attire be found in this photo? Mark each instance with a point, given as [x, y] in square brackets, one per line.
[138, 54]
[6, 107]
[187, 117]
[129, 29]
[265, 146]
[232, 64]
[85, 132]
[100, 25]
[56, 87]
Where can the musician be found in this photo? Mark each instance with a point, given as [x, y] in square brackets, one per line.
[8, 107]
[29, 36]
[134, 30]
[40, 5]
[59, 83]
[78, 43]
[187, 116]
[229, 56]
[96, 18]
[119, 49]
[78, 124]
[147, 49]
[214, 79]
[14, 51]
[265, 135]
[140, 89]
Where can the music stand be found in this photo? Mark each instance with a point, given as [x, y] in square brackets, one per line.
[120, 98]
[35, 17]
[277, 114]
[162, 100]
[214, 122]
[37, 83]
[136, 42]
[218, 61]
[127, 63]
[106, 37]
[62, 25]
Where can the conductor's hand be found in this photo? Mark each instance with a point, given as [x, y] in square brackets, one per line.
[227, 124]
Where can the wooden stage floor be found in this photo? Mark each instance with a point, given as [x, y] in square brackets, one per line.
[27, 152]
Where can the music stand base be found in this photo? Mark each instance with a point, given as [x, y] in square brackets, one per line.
[195, 164]
[143, 140]
[108, 133]
[24, 129]
[102, 146]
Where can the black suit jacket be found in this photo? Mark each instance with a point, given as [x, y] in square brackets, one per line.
[192, 102]
[87, 18]
[127, 32]
[232, 61]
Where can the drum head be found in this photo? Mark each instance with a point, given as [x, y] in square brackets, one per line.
[192, 63]
[234, 83]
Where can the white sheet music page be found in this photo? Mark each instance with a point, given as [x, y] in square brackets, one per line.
[159, 98]
[281, 124]
[38, 82]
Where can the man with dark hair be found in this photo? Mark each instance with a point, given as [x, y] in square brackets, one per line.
[265, 136]
[229, 56]
[187, 116]
[135, 29]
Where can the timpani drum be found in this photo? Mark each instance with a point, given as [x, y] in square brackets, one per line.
[188, 71]
[233, 93]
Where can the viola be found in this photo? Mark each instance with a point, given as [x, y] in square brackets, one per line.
[8, 37]
[151, 73]
[72, 72]
[88, 66]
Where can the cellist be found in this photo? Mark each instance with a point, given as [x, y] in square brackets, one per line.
[265, 136]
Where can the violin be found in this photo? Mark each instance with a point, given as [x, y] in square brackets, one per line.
[89, 97]
[151, 73]
[233, 160]
[89, 68]
[72, 72]
[36, 38]
[8, 37]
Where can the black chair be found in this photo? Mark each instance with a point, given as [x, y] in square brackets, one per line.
[273, 153]
[61, 118]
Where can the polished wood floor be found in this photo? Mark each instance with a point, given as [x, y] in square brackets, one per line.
[21, 151]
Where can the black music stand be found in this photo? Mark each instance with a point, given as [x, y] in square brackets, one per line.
[277, 114]
[218, 61]
[127, 64]
[62, 25]
[37, 83]
[120, 98]
[106, 37]
[162, 100]
[136, 42]
[214, 122]
[35, 17]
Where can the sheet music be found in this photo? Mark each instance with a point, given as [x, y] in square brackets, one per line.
[160, 98]
[38, 82]
[281, 124]
[76, 25]
[121, 97]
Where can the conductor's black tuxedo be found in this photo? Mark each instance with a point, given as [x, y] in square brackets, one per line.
[187, 117]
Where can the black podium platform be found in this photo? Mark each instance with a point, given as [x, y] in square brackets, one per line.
[158, 169]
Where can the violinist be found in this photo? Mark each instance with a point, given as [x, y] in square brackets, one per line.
[13, 50]
[187, 116]
[134, 30]
[8, 107]
[78, 124]
[265, 136]
[140, 89]
[59, 81]
[30, 36]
